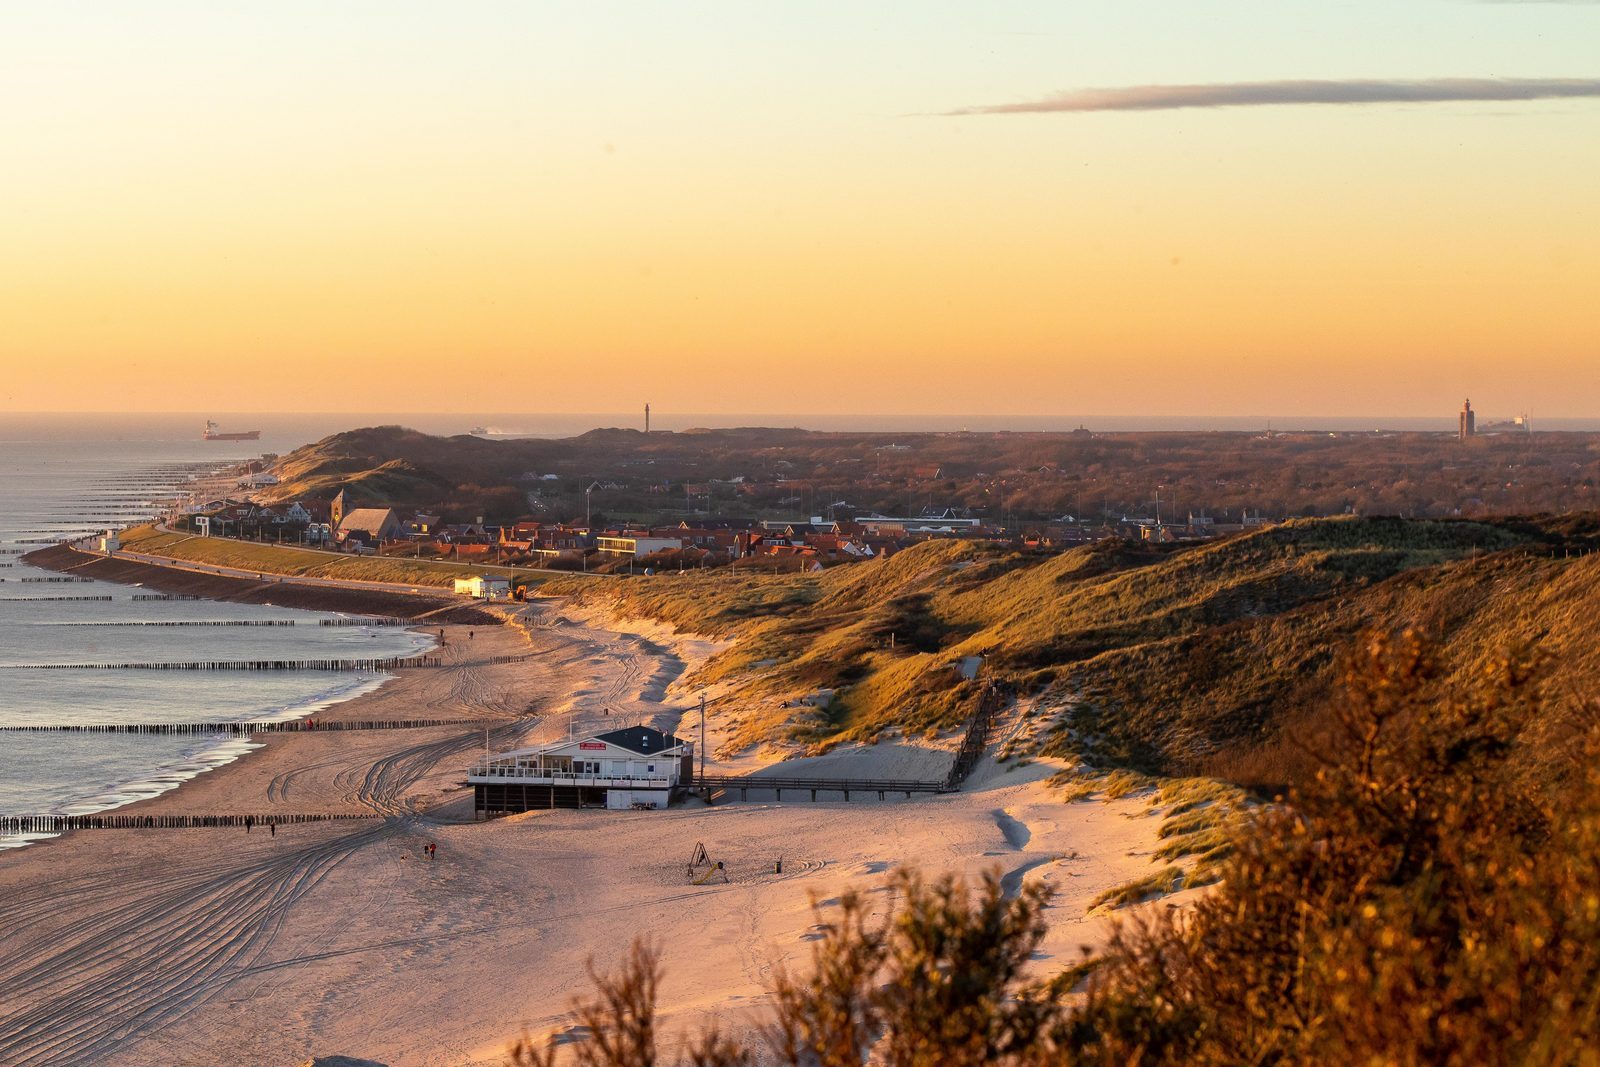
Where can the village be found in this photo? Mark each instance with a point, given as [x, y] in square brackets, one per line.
[229, 505]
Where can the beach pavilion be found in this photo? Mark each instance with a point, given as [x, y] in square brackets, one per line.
[637, 767]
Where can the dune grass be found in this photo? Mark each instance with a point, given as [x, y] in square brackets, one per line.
[1168, 659]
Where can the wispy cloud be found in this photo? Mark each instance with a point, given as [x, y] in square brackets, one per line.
[1257, 94]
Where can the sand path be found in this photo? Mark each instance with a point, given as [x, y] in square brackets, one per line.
[204, 947]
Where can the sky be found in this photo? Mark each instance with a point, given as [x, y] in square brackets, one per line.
[1118, 207]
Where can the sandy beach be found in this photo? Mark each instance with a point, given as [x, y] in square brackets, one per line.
[215, 946]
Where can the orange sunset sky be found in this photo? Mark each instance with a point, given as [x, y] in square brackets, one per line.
[893, 208]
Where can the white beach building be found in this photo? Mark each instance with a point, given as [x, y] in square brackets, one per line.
[484, 587]
[637, 767]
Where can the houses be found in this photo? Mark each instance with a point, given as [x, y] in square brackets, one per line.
[636, 767]
[368, 525]
[484, 587]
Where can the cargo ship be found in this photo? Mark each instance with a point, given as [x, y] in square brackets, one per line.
[213, 434]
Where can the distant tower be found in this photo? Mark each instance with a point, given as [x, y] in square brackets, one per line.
[1469, 422]
[647, 417]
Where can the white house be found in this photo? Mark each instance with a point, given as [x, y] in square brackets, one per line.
[637, 547]
[633, 768]
[484, 587]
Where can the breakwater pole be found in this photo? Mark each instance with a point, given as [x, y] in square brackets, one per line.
[243, 622]
[60, 824]
[391, 664]
[238, 729]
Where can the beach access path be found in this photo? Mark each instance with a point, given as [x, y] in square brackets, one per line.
[134, 947]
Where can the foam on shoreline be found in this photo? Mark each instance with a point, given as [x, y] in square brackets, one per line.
[208, 754]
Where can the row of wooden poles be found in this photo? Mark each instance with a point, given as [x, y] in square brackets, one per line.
[59, 824]
[389, 664]
[53, 578]
[248, 622]
[287, 726]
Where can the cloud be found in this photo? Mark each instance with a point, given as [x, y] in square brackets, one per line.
[1256, 94]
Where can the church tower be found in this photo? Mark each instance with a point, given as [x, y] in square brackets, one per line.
[336, 510]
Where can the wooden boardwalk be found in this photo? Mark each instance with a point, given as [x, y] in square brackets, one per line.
[744, 783]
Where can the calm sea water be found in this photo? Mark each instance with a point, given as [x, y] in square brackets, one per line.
[63, 477]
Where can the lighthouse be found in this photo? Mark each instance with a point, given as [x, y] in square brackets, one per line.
[1469, 422]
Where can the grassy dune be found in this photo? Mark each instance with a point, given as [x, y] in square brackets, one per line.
[1172, 659]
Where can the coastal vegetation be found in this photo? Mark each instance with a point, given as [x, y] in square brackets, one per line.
[1208, 658]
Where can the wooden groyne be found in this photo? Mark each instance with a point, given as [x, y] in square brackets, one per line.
[165, 596]
[60, 824]
[238, 729]
[241, 622]
[55, 599]
[393, 663]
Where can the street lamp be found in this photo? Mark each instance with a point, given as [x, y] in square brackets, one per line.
[588, 523]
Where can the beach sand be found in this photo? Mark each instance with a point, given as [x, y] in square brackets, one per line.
[217, 946]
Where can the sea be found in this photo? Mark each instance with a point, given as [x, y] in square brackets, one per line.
[65, 476]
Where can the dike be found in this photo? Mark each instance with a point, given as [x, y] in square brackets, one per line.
[65, 559]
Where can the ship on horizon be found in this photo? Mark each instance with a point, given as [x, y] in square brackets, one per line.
[212, 433]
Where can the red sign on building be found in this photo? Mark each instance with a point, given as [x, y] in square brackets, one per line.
[601, 745]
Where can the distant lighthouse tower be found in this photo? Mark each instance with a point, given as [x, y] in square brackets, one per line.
[647, 417]
[1469, 422]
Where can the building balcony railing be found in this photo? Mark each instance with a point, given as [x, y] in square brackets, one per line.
[534, 776]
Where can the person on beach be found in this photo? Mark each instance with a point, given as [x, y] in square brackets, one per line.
[248, 820]
[272, 828]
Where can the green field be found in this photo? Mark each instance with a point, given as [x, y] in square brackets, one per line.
[310, 563]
